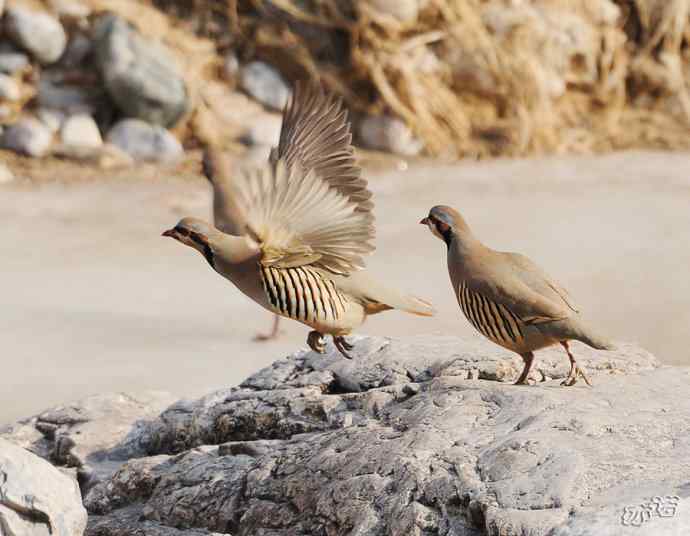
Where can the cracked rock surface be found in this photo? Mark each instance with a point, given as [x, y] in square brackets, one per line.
[417, 436]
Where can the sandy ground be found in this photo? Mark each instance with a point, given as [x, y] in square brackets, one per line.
[93, 299]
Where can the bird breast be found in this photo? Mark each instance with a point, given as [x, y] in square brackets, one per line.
[493, 320]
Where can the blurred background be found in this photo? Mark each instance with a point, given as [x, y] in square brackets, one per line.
[559, 128]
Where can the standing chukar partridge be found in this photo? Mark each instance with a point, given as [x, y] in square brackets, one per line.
[315, 134]
[508, 298]
[299, 248]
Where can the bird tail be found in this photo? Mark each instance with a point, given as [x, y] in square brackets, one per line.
[594, 340]
[415, 306]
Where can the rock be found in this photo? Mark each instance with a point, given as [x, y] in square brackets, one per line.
[95, 435]
[265, 84]
[38, 33]
[231, 66]
[70, 9]
[264, 130]
[9, 88]
[5, 113]
[140, 75]
[256, 155]
[81, 131]
[145, 142]
[12, 61]
[28, 136]
[52, 119]
[35, 497]
[402, 10]
[70, 99]
[399, 440]
[6, 174]
[78, 49]
[386, 133]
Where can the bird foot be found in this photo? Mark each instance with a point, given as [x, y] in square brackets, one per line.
[343, 346]
[575, 373]
[316, 342]
[525, 381]
[263, 337]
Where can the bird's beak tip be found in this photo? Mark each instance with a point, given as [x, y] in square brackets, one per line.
[424, 221]
[169, 232]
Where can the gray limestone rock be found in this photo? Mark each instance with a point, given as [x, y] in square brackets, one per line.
[386, 133]
[27, 136]
[419, 436]
[140, 75]
[36, 499]
[264, 84]
[143, 141]
[38, 33]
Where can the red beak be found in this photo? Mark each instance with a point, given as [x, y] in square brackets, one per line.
[169, 232]
[425, 221]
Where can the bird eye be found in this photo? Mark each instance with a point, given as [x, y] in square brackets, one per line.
[182, 231]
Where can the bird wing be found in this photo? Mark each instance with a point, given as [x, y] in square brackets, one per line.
[522, 287]
[315, 134]
[298, 218]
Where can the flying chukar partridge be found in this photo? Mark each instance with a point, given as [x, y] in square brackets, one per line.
[508, 298]
[299, 248]
[315, 134]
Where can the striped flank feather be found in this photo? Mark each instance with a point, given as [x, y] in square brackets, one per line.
[301, 293]
[493, 320]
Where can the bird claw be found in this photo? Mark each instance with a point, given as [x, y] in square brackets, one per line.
[525, 381]
[263, 337]
[316, 342]
[575, 373]
[343, 346]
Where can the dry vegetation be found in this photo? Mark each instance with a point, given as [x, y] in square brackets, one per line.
[470, 77]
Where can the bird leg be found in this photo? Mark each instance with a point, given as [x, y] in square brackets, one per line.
[575, 370]
[528, 358]
[316, 342]
[275, 331]
[343, 346]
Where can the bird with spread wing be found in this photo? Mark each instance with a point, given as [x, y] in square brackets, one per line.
[292, 235]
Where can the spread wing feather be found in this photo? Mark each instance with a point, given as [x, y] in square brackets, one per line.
[298, 218]
[315, 134]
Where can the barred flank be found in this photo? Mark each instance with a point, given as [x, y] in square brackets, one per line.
[491, 319]
[302, 294]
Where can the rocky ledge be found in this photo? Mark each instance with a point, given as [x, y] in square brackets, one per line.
[418, 436]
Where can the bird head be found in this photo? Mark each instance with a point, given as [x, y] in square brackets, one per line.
[194, 233]
[444, 222]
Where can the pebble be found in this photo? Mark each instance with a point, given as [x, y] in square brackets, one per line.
[9, 88]
[38, 33]
[140, 75]
[264, 130]
[265, 84]
[28, 136]
[81, 131]
[231, 66]
[53, 119]
[12, 61]
[143, 141]
[6, 174]
[386, 133]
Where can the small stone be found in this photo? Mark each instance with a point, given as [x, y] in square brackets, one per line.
[6, 174]
[38, 33]
[5, 112]
[143, 141]
[70, 9]
[81, 131]
[264, 130]
[12, 61]
[257, 155]
[53, 119]
[140, 75]
[265, 84]
[28, 136]
[387, 133]
[77, 50]
[231, 66]
[69, 99]
[9, 88]
[402, 10]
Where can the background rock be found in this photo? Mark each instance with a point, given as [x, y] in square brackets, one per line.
[81, 131]
[6, 174]
[28, 136]
[265, 84]
[145, 142]
[387, 133]
[37, 33]
[9, 88]
[12, 61]
[139, 74]
[36, 499]
[70, 99]
[264, 130]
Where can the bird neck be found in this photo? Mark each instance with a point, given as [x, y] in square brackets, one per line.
[462, 243]
[230, 249]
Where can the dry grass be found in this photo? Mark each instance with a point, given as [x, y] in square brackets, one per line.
[470, 77]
